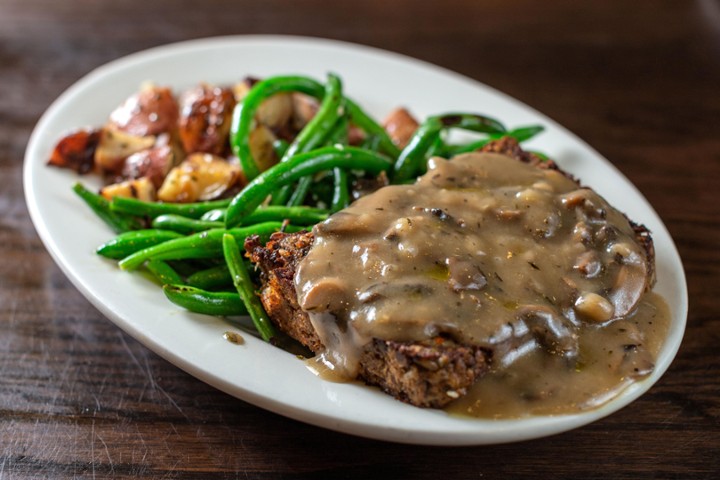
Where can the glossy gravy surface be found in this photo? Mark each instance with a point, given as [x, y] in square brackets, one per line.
[492, 252]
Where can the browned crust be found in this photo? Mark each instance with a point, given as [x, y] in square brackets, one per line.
[278, 261]
[643, 237]
[430, 373]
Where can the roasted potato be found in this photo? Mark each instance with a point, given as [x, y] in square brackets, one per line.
[151, 111]
[401, 126]
[205, 118]
[201, 176]
[141, 188]
[275, 112]
[76, 151]
[115, 146]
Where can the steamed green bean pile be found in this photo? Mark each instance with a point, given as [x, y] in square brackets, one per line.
[195, 250]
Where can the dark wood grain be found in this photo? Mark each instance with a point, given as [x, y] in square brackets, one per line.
[639, 81]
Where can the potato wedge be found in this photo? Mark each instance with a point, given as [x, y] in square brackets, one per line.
[205, 119]
[140, 188]
[201, 176]
[151, 111]
[115, 146]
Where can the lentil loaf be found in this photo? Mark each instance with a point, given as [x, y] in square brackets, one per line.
[428, 373]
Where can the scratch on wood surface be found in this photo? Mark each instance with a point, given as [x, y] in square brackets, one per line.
[7, 339]
[63, 376]
[107, 452]
[157, 387]
[92, 448]
[147, 371]
[135, 361]
[667, 422]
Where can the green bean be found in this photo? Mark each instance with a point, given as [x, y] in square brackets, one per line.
[215, 215]
[341, 195]
[371, 142]
[153, 209]
[339, 132]
[338, 135]
[300, 215]
[436, 149]
[301, 191]
[371, 127]
[189, 266]
[520, 134]
[207, 244]
[208, 303]
[410, 161]
[211, 278]
[164, 272]
[297, 167]
[280, 146]
[130, 242]
[245, 288]
[101, 206]
[312, 136]
[244, 113]
[320, 125]
[452, 150]
[178, 223]
[541, 156]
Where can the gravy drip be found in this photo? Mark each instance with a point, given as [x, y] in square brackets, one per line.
[611, 357]
[493, 252]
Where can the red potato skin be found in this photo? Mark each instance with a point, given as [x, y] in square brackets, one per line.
[401, 126]
[205, 117]
[151, 111]
[153, 163]
[76, 151]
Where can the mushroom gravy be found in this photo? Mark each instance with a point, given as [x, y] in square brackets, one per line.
[494, 252]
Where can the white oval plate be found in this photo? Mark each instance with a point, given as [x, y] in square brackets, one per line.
[257, 372]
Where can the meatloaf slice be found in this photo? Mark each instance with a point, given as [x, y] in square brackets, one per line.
[429, 373]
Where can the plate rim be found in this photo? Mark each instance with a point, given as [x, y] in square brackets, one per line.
[346, 425]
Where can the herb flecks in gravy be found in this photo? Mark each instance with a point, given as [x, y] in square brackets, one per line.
[493, 252]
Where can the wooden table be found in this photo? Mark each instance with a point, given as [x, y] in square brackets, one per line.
[639, 81]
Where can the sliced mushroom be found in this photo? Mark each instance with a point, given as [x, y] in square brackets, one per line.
[464, 274]
[151, 111]
[205, 118]
[325, 295]
[116, 145]
[200, 176]
[553, 331]
[588, 264]
[630, 357]
[630, 283]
